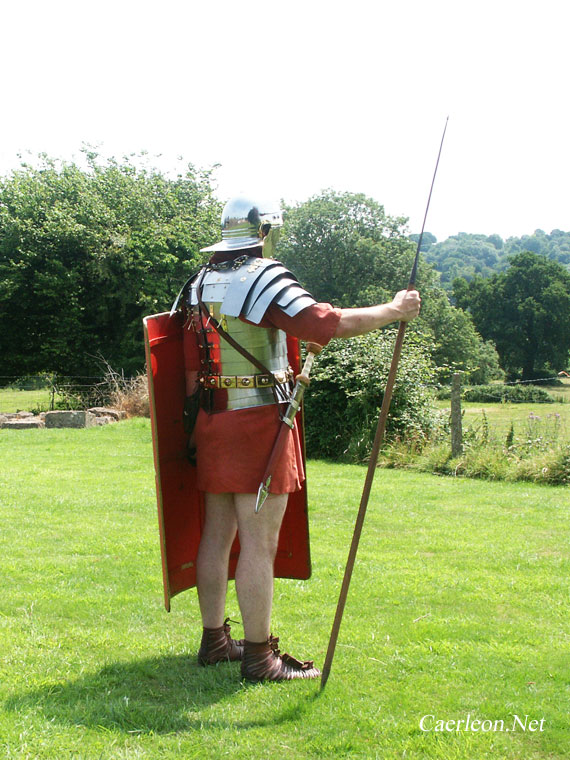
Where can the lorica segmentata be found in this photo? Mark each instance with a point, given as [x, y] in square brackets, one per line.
[244, 287]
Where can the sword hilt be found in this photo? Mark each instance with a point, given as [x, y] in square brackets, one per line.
[313, 350]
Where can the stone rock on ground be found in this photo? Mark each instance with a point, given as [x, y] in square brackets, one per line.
[97, 415]
[103, 420]
[69, 419]
[105, 411]
[27, 423]
[20, 421]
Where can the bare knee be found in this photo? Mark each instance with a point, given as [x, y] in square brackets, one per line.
[259, 532]
[220, 523]
[262, 546]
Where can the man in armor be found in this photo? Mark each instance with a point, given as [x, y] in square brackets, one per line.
[240, 308]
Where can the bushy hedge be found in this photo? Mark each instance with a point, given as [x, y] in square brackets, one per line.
[516, 394]
[347, 386]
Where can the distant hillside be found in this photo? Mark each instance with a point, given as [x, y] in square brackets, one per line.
[465, 255]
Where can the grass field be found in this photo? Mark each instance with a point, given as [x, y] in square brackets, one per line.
[12, 400]
[500, 415]
[526, 418]
[501, 441]
[458, 606]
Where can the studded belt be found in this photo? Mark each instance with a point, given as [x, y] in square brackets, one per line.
[247, 381]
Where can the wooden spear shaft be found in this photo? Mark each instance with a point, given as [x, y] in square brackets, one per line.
[378, 438]
[363, 502]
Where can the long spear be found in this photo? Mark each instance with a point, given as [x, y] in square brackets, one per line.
[375, 451]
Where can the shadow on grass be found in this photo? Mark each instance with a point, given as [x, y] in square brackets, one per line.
[157, 695]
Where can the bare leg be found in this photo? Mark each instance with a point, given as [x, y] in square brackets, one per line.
[213, 557]
[258, 535]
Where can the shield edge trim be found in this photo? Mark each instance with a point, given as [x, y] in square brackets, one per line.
[155, 452]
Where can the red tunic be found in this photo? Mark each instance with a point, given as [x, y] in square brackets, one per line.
[233, 446]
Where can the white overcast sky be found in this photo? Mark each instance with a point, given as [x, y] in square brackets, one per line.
[293, 97]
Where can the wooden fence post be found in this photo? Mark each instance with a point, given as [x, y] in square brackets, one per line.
[456, 431]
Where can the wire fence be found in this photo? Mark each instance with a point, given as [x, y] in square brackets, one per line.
[43, 394]
[48, 392]
[543, 389]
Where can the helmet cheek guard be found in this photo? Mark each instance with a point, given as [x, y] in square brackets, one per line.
[271, 237]
[248, 224]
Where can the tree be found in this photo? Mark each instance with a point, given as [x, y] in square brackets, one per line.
[466, 255]
[488, 365]
[456, 343]
[346, 250]
[86, 253]
[428, 240]
[525, 311]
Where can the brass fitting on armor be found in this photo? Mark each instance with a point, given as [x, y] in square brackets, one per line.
[246, 381]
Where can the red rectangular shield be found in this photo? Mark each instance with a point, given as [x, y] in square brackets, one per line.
[180, 504]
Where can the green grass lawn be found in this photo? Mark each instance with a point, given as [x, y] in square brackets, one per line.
[13, 400]
[458, 606]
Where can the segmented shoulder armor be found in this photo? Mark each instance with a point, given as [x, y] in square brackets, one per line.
[248, 286]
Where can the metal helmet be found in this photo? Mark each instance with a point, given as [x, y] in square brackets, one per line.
[247, 224]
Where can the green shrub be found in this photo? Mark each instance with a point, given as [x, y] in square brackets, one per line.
[516, 394]
[493, 393]
[523, 460]
[347, 385]
[556, 470]
[487, 462]
[436, 458]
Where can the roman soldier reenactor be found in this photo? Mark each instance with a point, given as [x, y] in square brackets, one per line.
[238, 323]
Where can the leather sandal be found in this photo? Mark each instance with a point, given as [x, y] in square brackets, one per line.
[218, 646]
[262, 661]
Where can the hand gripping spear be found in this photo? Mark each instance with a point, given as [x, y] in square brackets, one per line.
[374, 454]
[302, 382]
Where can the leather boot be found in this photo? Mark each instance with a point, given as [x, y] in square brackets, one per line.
[218, 646]
[263, 662]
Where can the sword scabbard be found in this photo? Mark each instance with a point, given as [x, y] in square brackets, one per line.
[301, 382]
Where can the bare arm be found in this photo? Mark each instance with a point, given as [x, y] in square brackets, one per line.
[404, 307]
